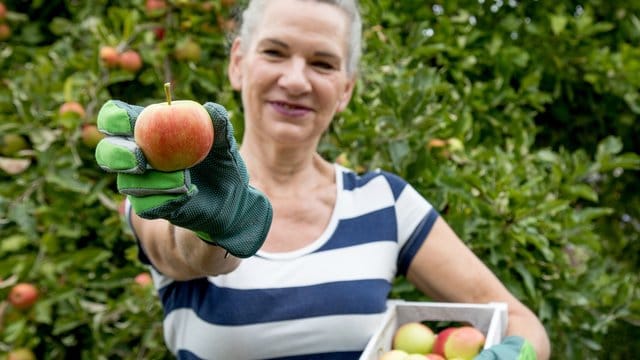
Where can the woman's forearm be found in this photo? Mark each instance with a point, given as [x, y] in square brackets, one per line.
[179, 253]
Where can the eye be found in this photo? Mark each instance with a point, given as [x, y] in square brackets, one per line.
[272, 52]
[323, 65]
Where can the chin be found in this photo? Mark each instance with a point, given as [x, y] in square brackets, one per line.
[290, 134]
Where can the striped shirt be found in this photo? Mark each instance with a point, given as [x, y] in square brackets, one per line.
[322, 301]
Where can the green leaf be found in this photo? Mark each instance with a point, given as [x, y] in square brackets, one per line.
[551, 208]
[68, 183]
[588, 214]
[558, 23]
[625, 161]
[526, 276]
[611, 145]
[60, 26]
[21, 213]
[398, 150]
[547, 155]
[582, 191]
[13, 243]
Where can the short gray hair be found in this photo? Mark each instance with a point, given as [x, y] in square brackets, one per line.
[252, 14]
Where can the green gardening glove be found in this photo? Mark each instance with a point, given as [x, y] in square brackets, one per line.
[511, 348]
[213, 198]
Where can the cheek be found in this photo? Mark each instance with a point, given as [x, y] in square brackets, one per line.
[257, 80]
[334, 97]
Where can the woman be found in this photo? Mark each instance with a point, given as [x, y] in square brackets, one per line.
[328, 242]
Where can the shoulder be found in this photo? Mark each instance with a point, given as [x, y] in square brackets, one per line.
[353, 181]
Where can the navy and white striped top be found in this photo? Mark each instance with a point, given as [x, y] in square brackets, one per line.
[323, 301]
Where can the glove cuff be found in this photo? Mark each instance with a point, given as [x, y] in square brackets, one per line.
[511, 348]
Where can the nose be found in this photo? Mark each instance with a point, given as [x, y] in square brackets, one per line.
[294, 78]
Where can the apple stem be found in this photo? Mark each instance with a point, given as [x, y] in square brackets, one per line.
[167, 92]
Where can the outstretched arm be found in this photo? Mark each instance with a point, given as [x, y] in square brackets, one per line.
[188, 219]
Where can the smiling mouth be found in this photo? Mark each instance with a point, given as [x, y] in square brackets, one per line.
[289, 109]
[289, 106]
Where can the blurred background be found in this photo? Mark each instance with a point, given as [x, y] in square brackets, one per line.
[518, 120]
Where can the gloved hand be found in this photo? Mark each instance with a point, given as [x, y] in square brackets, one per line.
[511, 348]
[213, 198]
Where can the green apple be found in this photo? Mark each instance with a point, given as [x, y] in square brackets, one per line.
[11, 144]
[414, 338]
[187, 50]
[394, 355]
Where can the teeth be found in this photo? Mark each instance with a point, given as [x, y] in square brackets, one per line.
[288, 106]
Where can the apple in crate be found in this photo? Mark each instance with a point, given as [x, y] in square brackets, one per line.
[463, 343]
[394, 355]
[414, 338]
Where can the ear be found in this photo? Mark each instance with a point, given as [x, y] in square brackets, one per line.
[234, 70]
[346, 96]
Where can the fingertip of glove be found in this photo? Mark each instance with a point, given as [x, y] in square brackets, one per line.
[217, 111]
[113, 119]
[116, 117]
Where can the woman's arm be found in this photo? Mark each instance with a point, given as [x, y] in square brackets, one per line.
[179, 253]
[445, 269]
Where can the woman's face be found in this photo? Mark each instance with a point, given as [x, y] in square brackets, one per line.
[293, 75]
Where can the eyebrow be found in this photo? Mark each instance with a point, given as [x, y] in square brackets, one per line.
[284, 45]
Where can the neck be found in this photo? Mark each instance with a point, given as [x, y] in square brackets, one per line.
[285, 170]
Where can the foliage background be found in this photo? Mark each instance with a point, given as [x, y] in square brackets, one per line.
[518, 120]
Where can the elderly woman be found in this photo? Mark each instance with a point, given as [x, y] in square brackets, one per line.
[270, 251]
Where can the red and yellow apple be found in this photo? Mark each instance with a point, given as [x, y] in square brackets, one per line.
[122, 208]
[174, 135]
[23, 295]
[143, 279]
[72, 107]
[109, 56]
[130, 60]
[414, 338]
[3, 11]
[433, 356]
[21, 354]
[463, 343]
[91, 136]
[5, 32]
[155, 7]
[441, 337]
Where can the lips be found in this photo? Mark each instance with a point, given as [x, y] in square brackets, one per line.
[289, 109]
